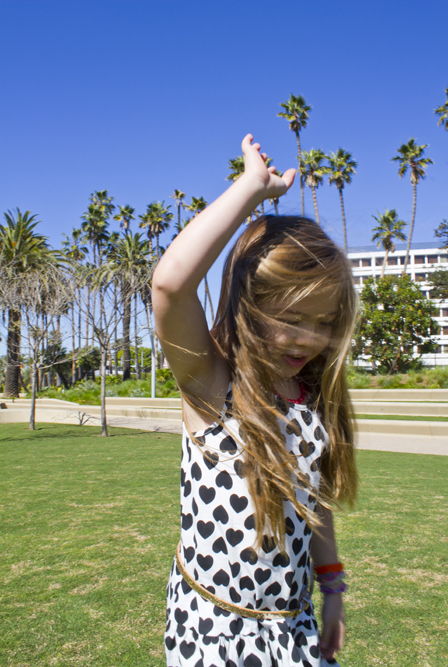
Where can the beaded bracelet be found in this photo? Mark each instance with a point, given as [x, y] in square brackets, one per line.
[331, 582]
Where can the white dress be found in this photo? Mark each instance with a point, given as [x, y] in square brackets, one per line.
[218, 531]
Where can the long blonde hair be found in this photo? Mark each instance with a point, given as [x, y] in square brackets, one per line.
[285, 257]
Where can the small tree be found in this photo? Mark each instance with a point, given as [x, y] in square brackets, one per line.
[395, 319]
[40, 291]
[101, 283]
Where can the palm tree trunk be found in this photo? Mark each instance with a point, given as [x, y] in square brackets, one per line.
[115, 328]
[275, 202]
[126, 358]
[78, 368]
[384, 263]
[93, 316]
[262, 207]
[137, 365]
[103, 389]
[344, 224]
[73, 346]
[302, 199]
[87, 317]
[12, 375]
[315, 204]
[411, 231]
[207, 294]
[34, 379]
[153, 352]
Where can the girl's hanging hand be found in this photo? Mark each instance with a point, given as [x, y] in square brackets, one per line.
[255, 169]
[333, 626]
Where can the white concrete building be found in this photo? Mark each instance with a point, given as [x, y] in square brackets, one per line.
[425, 258]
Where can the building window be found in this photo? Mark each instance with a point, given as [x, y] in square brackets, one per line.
[444, 259]
[366, 262]
[438, 349]
[357, 280]
[419, 277]
[419, 259]
[379, 261]
[444, 312]
[444, 331]
[393, 261]
[432, 259]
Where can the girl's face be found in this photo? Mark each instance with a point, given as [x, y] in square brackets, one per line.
[302, 331]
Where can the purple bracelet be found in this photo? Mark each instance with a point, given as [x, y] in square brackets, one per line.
[332, 582]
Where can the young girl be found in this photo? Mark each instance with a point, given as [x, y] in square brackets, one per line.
[267, 441]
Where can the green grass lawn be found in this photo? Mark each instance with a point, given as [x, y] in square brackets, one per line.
[90, 524]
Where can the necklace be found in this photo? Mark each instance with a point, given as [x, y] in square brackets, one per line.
[296, 401]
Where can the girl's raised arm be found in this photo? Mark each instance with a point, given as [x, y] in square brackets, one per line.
[180, 320]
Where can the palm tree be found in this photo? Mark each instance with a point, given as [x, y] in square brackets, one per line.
[197, 205]
[157, 219]
[180, 226]
[178, 196]
[296, 112]
[146, 219]
[341, 169]
[129, 262]
[75, 252]
[124, 217]
[236, 166]
[410, 156]
[96, 221]
[21, 249]
[313, 171]
[113, 240]
[388, 230]
[442, 111]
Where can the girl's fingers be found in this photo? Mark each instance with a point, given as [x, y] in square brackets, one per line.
[289, 177]
[245, 144]
[271, 170]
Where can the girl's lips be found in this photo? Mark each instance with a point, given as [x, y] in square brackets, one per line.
[295, 362]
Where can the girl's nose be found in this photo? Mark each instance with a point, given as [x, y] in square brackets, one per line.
[308, 335]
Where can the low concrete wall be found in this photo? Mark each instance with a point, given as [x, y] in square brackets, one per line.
[399, 394]
[402, 427]
[400, 408]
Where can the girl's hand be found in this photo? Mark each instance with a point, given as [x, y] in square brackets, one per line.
[269, 184]
[333, 626]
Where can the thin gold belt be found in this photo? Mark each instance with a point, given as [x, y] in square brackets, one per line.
[303, 601]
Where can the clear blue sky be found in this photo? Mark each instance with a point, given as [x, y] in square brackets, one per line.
[140, 97]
